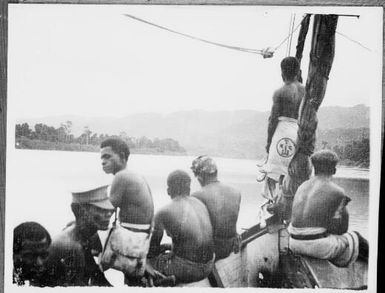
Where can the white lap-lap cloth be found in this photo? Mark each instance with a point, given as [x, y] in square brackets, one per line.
[341, 250]
[127, 248]
[282, 148]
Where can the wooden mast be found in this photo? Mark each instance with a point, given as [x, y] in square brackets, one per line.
[321, 60]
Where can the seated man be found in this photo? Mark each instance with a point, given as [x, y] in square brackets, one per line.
[222, 202]
[187, 222]
[30, 251]
[320, 219]
[130, 193]
[71, 255]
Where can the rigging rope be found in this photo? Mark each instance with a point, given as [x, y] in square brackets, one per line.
[291, 33]
[285, 39]
[354, 41]
[266, 53]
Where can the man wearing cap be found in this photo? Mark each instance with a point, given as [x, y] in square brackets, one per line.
[71, 255]
[129, 192]
[223, 204]
[187, 221]
[320, 220]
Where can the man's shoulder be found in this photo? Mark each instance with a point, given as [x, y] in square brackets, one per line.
[315, 186]
[125, 174]
[199, 193]
[166, 209]
[217, 188]
[164, 214]
[193, 199]
[228, 189]
[330, 187]
[65, 240]
[128, 176]
[337, 188]
[288, 88]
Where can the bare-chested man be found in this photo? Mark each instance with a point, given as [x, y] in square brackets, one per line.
[129, 192]
[320, 219]
[223, 203]
[187, 221]
[282, 127]
[72, 254]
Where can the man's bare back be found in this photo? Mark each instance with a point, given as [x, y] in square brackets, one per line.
[316, 203]
[289, 97]
[187, 222]
[131, 193]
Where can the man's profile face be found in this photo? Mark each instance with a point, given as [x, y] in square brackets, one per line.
[30, 261]
[98, 217]
[111, 161]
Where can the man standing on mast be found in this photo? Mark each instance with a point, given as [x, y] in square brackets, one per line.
[283, 126]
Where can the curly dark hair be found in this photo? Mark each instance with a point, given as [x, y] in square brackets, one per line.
[118, 145]
[29, 231]
[290, 67]
[324, 162]
[179, 182]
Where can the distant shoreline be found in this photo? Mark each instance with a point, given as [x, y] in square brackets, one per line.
[76, 147]
[51, 146]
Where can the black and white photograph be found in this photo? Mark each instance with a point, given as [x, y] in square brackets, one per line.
[192, 146]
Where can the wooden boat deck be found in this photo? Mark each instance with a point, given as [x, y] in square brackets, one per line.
[327, 275]
[299, 271]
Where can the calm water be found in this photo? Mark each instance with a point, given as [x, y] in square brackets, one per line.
[39, 185]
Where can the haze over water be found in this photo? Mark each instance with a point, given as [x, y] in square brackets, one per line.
[39, 185]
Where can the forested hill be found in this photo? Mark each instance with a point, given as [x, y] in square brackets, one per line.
[238, 134]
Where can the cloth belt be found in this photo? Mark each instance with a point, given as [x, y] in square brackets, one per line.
[309, 237]
[288, 119]
[145, 228]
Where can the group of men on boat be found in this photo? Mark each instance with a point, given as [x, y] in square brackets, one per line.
[202, 225]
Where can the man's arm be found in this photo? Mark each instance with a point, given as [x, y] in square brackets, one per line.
[339, 224]
[273, 120]
[118, 189]
[157, 236]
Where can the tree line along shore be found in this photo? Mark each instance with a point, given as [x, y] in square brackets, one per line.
[44, 137]
[355, 152]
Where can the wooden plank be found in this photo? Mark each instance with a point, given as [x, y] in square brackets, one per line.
[212, 2]
[327, 275]
[203, 283]
[231, 272]
[294, 274]
[256, 230]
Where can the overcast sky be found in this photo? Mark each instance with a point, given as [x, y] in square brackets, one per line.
[94, 61]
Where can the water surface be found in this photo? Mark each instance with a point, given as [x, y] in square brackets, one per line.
[39, 185]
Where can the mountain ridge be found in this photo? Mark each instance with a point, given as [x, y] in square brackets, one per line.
[238, 133]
